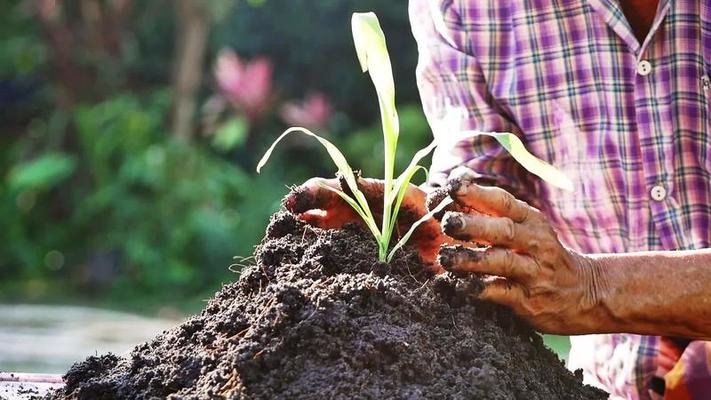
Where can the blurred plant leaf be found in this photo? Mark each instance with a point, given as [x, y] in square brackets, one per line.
[231, 134]
[46, 171]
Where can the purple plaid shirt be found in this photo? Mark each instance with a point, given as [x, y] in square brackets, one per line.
[628, 122]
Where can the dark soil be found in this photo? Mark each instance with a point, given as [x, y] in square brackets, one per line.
[318, 317]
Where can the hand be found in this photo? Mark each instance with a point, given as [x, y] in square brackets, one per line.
[552, 287]
[323, 208]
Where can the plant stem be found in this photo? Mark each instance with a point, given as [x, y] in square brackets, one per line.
[383, 251]
[386, 233]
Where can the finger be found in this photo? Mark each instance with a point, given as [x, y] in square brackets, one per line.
[494, 231]
[334, 219]
[490, 200]
[437, 196]
[490, 261]
[313, 195]
[318, 206]
[462, 172]
[503, 291]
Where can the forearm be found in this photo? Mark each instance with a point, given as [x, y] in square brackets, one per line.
[654, 293]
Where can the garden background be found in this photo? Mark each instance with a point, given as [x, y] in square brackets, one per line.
[130, 131]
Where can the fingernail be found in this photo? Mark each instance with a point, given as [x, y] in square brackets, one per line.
[452, 222]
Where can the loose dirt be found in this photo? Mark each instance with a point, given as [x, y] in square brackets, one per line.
[318, 317]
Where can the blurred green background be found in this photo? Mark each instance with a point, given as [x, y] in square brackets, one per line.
[131, 129]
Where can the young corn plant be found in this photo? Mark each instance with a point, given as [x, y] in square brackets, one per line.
[373, 56]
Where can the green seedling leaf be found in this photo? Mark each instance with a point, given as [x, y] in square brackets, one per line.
[369, 222]
[401, 195]
[447, 201]
[338, 158]
[424, 170]
[373, 56]
[403, 181]
[372, 52]
[413, 165]
[534, 165]
[518, 151]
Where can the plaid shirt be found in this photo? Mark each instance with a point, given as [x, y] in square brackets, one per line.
[628, 122]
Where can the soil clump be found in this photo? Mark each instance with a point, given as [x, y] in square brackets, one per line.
[318, 317]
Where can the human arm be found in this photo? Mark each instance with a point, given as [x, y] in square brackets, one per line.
[561, 291]
[661, 293]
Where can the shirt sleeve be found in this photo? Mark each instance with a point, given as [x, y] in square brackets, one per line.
[455, 98]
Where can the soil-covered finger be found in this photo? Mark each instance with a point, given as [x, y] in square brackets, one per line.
[493, 231]
[312, 195]
[489, 260]
[489, 200]
[503, 291]
[450, 257]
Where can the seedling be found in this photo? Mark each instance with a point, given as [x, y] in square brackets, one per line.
[373, 57]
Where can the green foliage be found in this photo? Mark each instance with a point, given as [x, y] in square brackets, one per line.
[153, 212]
[20, 52]
[231, 134]
[48, 170]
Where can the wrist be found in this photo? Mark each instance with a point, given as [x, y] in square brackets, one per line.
[597, 303]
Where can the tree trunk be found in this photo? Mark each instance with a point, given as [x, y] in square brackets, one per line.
[192, 30]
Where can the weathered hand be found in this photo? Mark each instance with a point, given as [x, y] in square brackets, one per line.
[550, 286]
[321, 207]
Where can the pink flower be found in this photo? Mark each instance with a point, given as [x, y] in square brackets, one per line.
[247, 85]
[313, 113]
[47, 9]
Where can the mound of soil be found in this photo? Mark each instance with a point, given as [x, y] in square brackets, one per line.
[318, 317]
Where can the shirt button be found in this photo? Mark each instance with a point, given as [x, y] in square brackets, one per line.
[658, 193]
[644, 67]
